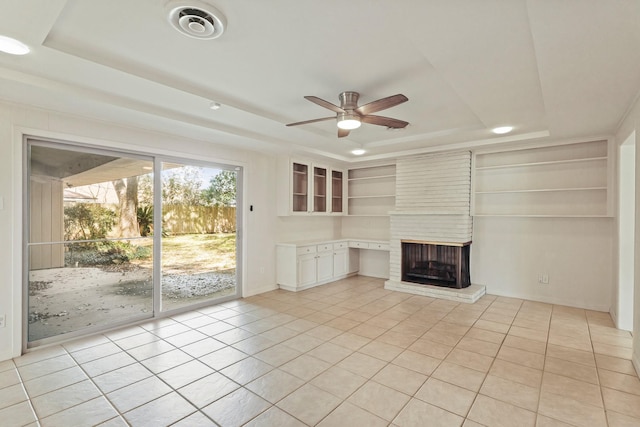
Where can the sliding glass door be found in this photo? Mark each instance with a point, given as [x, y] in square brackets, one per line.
[199, 223]
[88, 264]
[110, 242]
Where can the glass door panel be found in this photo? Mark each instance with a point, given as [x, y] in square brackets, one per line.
[319, 189]
[199, 244]
[336, 191]
[300, 187]
[89, 266]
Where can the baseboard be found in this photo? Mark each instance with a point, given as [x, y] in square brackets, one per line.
[5, 355]
[260, 290]
[614, 317]
[556, 301]
[313, 285]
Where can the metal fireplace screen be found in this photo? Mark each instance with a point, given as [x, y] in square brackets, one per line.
[436, 264]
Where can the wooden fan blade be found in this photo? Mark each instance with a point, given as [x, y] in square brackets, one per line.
[384, 121]
[311, 121]
[343, 132]
[381, 104]
[325, 104]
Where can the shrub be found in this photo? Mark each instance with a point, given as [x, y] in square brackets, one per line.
[145, 220]
[87, 221]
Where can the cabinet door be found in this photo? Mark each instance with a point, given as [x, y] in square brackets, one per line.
[320, 181]
[307, 269]
[340, 262]
[337, 193]
[325, 265]
[300, 173]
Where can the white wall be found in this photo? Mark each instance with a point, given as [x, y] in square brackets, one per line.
[622, 302]
[508, 254]
[307, 228]
[260, 231]
[629, 125]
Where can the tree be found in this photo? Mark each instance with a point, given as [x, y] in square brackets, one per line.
[181, 186]
[127, 192]
[221, 190]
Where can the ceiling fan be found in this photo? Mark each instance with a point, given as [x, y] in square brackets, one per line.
[349, 116]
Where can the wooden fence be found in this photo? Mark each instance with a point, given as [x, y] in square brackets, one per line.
[179, 219]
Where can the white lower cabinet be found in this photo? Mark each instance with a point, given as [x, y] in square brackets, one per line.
[304, 266]
[324, 263]
[340, 262]
[307, 270]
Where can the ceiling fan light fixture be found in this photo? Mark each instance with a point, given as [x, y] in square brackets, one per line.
[348, 121]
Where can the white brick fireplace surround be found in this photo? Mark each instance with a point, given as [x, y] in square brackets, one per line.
[433, 204]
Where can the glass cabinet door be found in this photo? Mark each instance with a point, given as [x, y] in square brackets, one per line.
[319, 189]
[336, 191]
[300, 190]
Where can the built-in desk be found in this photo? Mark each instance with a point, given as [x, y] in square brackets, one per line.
[305, 264]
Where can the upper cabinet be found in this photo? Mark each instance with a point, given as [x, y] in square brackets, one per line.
[571, 180]
[337, 191]
[306, 188]
[300, 177]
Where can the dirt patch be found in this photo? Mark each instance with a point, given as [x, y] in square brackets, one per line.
[69, 299]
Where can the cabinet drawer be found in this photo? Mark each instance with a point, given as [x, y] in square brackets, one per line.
[325, 247]
[379, 246]
[306, 250]
[340, 245]
[356, 244]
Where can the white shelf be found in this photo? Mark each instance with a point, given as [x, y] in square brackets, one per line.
[543, 190]
[552, 162]
[372, 177]
[564, 181]
[376, 216]
[371, 191]
[381, 196]
[538, 216]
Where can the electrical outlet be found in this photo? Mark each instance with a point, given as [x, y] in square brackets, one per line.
[3, 320]
[543, 278]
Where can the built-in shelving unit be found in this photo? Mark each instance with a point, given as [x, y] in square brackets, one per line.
[372, 190]
[571, 180]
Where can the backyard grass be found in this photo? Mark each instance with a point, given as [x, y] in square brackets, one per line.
[196, 253]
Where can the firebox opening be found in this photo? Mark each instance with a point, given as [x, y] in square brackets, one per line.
[440, 264]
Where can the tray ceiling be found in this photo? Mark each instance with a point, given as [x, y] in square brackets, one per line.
[551, 69]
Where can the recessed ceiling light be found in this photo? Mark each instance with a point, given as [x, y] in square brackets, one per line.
[358, 152]
[215, 105]
[502, 129]
[13, 46]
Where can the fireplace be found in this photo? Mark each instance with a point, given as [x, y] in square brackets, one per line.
[436, 263]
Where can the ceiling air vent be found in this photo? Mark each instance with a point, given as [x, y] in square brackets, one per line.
[196, 19]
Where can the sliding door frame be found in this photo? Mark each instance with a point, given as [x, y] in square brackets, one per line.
[118, 150]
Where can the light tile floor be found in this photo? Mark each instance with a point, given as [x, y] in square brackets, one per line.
[345, 354]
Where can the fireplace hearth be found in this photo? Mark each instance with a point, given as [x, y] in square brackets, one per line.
[436, 263]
